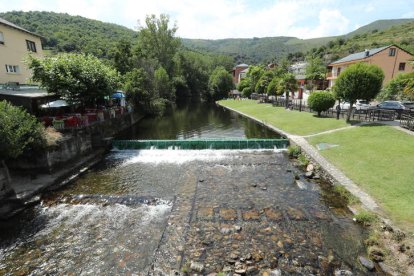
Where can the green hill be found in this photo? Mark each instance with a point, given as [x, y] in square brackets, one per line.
[66, 33]
[379, 25]
[401, 35]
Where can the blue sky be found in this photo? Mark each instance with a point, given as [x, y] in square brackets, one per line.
[213, 19]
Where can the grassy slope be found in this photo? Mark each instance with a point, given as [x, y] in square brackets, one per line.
[380, 160]
[294, 122]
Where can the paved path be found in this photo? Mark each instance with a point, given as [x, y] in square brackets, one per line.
[338, 176]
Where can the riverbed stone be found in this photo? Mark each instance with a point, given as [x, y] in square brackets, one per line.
[228, 214]
[205, 213]
[251, 215]
[295, 214]
[309, 174]
[195, 266]
[273, 214]
[309, 168]
[368, 264]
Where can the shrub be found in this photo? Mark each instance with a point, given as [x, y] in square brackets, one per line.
[294, 151]
[19, 131]
[321, 101]
[303, 160]
[365, 218]
[345, 194]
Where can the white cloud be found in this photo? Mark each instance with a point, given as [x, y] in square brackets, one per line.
[226, 18]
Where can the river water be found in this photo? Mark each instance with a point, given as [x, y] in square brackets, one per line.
[153, 212]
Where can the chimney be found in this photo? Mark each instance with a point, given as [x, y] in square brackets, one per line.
[366, 53]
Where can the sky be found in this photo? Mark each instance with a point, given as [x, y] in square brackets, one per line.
[216, 19]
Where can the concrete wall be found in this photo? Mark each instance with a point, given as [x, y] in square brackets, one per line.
[14, 51]
[75, 145]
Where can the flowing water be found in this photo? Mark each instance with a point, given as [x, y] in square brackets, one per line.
[153, 212]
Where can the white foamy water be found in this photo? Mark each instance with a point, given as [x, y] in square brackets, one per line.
[156, 156]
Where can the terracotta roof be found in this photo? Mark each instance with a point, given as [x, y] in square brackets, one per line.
[360, 55]
[14, 26]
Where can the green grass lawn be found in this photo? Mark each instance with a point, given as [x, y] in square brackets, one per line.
[380, 159]
[291, 121]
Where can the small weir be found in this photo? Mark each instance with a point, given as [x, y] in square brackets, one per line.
[201, 144]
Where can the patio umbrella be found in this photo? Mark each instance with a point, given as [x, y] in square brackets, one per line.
[55, 104]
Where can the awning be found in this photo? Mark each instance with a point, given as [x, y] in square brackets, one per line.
[55, 104]
[118, 95]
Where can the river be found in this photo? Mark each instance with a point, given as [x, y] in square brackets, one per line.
[153, 212]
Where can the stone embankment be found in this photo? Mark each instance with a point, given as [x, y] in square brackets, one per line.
[78, 150]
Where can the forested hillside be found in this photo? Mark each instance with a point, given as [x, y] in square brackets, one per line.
[401, 35]
[66, 33]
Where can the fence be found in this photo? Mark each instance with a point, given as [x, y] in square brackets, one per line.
[407, 121]
[372, 114]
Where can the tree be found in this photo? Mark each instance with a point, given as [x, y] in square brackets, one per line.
[399, 88]
[162, 85]
[273, 87]
[254, 74]
[220, 83]
[287, 83]
[77, 78]
[157, 40]
[262, 84]
[321, 101]
[122, 56]
[358, 81]
[315, 69]
[20, 132]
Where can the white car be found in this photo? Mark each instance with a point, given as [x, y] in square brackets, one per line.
[359, 105]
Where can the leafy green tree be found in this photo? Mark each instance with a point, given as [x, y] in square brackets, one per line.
[321, 101]
[191, 74]
[19, 131]
[358, 81]
[220, 83]
[398, 88]
[254, 74]
[162, 85]
[273, 87]
[315, 69]
[287, 83]
[78, 78]
[122, 56]
[157, 40]
[263, 83]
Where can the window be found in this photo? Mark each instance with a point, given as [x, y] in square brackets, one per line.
[1, 38]
[338, 71]
[402, 66]
[391, 52]
[12, 69]
[31, 46]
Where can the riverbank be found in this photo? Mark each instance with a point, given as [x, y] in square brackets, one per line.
[58, 165]
[361, 158]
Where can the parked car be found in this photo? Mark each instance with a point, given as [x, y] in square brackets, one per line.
[397, 106]
[363, 105]
[359, 105]
[409, 105]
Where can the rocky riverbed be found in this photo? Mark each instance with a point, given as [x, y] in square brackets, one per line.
[204, 212]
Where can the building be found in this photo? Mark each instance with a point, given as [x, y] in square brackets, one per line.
[391, 59]
[239, 72]
[15, 44]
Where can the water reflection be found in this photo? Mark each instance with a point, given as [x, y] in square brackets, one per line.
[197, 120]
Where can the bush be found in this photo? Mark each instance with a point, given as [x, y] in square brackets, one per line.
[321, 101]
[19, 131]
[365, 218]
[294, 151]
